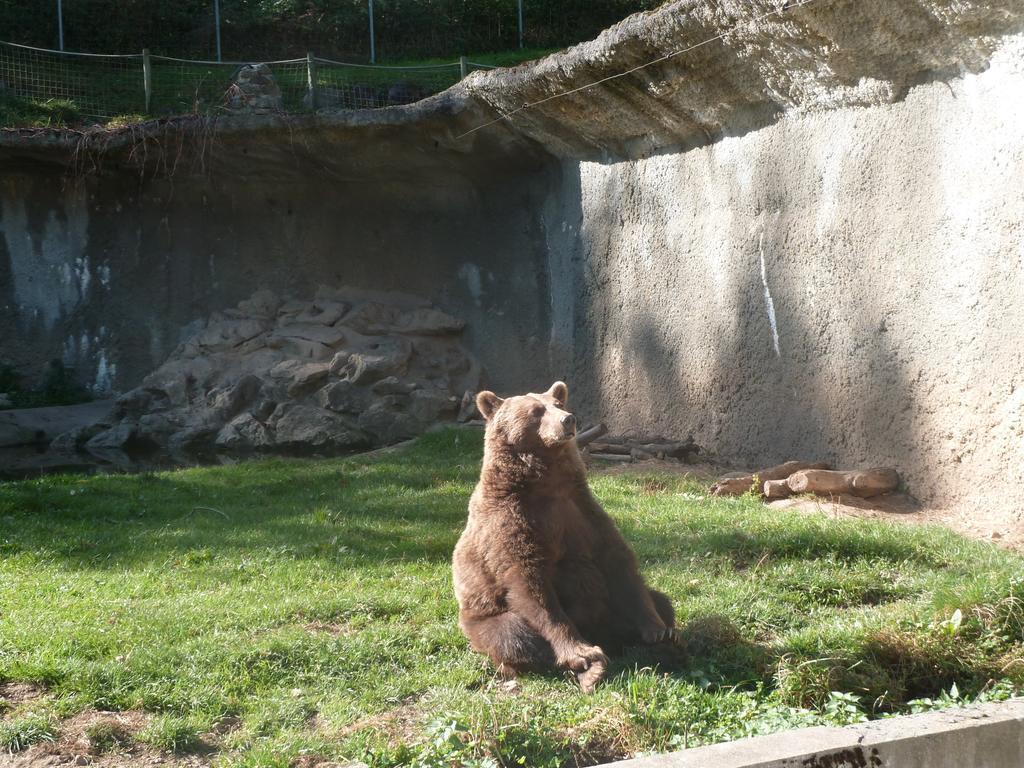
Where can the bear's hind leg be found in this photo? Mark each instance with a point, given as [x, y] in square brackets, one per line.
[510, 642]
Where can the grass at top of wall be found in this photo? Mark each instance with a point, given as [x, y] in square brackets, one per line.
[309, 604]
[26, 113]
[18, 112]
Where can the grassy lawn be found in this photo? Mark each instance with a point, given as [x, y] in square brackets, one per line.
[282, 608]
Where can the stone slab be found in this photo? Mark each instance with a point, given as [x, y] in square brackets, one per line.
[981, 736]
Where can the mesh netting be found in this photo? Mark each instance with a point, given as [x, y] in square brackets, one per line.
[98, 86]
[104, 87]
[352, 86]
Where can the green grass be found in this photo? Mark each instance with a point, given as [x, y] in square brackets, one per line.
[26, 113]
[310, 603]
[186, 88]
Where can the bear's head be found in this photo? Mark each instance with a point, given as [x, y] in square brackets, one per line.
[529, 423]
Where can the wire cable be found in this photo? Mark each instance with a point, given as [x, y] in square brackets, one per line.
[788, 6]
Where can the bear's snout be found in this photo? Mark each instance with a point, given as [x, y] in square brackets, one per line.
[569, 422]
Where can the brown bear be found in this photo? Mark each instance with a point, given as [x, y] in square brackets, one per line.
[542, 575]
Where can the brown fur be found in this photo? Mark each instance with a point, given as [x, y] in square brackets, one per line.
[542, 575]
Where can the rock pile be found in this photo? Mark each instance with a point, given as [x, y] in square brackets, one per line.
[254, 89]
[350, 369]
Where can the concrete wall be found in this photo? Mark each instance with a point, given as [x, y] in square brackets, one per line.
[107, 271]
[829, 263]
[844, 284]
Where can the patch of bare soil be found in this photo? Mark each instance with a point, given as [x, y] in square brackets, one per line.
[401, 725]
[15, 696]
[102, 739]
[971, 521]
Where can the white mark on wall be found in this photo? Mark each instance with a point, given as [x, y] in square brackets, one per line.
[49, 268]
[834, 159]
[768, 303]
[105, 373]
[470, 275]
[104, 273]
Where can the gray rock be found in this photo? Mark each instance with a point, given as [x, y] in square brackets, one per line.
[5, 400]
[158, 427]
[382, 359]
[117, 437]
[305, 428]
[321, 334]
[292, 308]
[254, 90]
[197, 437]
[228, 334]
[393, 386]
[307, 340]
[323, 312]
[387, 425]
[244, 433]
[300, 378]
[428, 405]
[344, 397]
[262, 304]
[230, 400]
[467, 407]
[374, 319]
[427, 321]
[142, 400]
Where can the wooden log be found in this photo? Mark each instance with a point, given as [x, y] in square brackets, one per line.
[622, 450]
[861, 482]
[588, 436]
[737, 486]
[611, 457]
[777, 489]
[672, 450]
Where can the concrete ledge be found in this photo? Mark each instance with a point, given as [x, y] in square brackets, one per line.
[29, 426]
[982, 736]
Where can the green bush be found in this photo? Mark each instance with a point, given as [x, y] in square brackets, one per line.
[271, 29]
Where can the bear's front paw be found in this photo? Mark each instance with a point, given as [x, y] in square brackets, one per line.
[653, 635]
[588, 662]
[581, 657]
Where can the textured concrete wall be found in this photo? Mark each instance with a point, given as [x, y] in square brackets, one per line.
[843, 285]
[107, 271]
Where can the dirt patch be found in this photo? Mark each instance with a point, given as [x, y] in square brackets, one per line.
[104, 739]
[14, 696]
[976, 523]
[401, 725]
[898, 507]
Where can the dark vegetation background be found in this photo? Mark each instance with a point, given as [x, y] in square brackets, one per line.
[272, 29]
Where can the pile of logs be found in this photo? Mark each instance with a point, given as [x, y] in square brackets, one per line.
[599, 446]
[793, 477]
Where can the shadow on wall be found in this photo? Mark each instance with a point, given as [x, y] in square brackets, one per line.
[843, 286]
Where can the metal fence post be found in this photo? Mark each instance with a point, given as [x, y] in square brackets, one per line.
[147, 78]
[463, 67]
[216, 24]
[520, 24]
[373, 44]
[60, 25]
[311, 75]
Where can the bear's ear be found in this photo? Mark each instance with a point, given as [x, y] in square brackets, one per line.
[559, 391]
[488, 403]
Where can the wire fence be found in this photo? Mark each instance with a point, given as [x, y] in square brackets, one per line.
[104, 87]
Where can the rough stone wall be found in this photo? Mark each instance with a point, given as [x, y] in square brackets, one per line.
[801, 237]
[844, 284]
[110, 271]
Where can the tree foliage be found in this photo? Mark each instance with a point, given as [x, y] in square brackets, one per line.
[267, 29]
